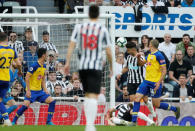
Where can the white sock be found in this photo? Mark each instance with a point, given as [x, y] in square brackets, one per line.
[90, 107]
[116, 120]
[144, 117]
[150, 107]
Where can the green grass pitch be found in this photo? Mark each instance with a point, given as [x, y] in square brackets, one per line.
[99, 128]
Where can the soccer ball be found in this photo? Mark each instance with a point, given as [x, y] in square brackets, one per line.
[121, 41]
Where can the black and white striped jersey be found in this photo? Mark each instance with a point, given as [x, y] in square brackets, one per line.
[90, 38]
[135, 72]
[51, 85]
[139, 2]
[123, 111]
[49, 46]
[17, 46]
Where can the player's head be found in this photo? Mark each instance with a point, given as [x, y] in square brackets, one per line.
[154, 44]
[42, 53]
[45, 36]
[131, 48]
[12, 36]
[93, 12]
[3, 37]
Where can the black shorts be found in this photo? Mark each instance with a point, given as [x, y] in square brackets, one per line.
[91, 80]
[132, 88]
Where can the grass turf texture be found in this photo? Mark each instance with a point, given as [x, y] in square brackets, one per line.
[99, 128]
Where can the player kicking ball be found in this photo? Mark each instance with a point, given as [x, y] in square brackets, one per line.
[36, 89]
[124, 116]
[152, 85]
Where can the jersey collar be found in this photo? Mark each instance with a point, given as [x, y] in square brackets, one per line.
[154, 52]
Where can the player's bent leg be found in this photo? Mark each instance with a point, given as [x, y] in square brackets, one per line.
[136, 107]
[5, 116]
[51, 110]
[145, 118]
[149, 104]
[21, 111]
[166, 106]
[12, 106]
[132, 97]
[118, 121]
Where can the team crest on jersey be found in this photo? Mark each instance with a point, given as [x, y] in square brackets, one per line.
[39, 77]
[31, 68]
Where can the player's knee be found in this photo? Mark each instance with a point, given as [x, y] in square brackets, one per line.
[26, 103]
[137, 98]
[52, 102]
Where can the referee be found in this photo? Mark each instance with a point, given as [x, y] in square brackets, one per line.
[91, 38]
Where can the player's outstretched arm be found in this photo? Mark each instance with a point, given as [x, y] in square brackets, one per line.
[109, 56]
[27, 78]
[68, 56]
[163, 70]
[18, 66]
[43, 85]
[140, 60]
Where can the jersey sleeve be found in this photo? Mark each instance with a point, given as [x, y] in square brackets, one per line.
[160, 58]
[32, 68]
[75, 34]
[106, 38]
[118, 106]
[126, 63]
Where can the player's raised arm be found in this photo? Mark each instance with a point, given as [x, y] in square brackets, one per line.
[140, 60]
[43, 85]
[18, 66]
[68, 56]
[109, 56]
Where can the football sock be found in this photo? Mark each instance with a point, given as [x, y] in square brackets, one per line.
[3, 111]
[166, 106]
[51, 110]
[20, 112]
[9, 110]
[144, 117]
[90, 107]
[135, 111]
[150, 107]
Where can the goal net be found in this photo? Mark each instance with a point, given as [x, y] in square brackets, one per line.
[30, 30]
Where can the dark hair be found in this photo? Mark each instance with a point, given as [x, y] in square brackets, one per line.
[57, 85]
[3, 36]
[155, 43]
[12, 32]
[45, 33]
[93, 11]
[29, 29]
[131, 45]
[186, 35]
[142, 44]
[41, 52]
[182, 75]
